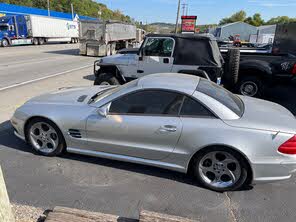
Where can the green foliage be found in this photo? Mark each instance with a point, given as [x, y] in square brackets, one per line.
[81, 7]
[236, 17]
[280, 19]
[255, 20]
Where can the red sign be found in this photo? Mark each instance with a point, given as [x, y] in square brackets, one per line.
[188, 23]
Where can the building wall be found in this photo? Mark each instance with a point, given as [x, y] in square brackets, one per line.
[243, 29]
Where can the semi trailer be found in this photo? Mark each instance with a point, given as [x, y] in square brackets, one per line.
[101, 38]
[36, 30]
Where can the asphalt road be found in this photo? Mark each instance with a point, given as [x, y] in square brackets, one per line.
[111, 186]
[26, 63]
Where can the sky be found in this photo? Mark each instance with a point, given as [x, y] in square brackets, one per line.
[208, 11]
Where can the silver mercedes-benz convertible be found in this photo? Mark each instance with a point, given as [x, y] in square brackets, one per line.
[174, 121]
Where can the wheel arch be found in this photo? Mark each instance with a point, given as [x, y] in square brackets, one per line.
[239, 152]
[8, 39]
[112, 69]
[41, 117]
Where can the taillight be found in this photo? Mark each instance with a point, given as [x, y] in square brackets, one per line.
[294, 70]
[289, 147]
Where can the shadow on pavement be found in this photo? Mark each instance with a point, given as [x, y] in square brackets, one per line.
[89, 77]
[10, 141]
[74, 52]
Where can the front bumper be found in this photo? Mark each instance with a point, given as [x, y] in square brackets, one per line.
[18, 125]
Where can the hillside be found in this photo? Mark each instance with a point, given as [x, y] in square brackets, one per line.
[81, 7]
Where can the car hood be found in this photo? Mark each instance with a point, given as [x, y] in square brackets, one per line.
[119, 59]
[69, 96]
[264, 115]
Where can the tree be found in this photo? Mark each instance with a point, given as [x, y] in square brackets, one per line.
[236, 17]
[280, 19]
[256, 20]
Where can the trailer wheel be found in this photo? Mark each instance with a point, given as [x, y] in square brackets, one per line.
[41, 41]
[35, 41]
[4, 43]
[231, 69]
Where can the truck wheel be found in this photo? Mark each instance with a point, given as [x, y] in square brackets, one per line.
[231, 69]
[250, 86]
[106, 79]
[4, 43]
[35, 41]
[41, 41]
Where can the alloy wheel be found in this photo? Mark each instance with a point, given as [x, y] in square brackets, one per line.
[44, 137]
[219, 169]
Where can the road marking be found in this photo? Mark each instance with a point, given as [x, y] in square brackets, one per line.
[42, 78]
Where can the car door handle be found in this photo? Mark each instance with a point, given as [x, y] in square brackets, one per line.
[168, 128]
[166, 60]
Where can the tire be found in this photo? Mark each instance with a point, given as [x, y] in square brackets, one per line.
[231, 69]
[228, 162]
[51, 134]
[250, 86]
[41, 41]
[106, 79]
[35, 41]
[4, 43]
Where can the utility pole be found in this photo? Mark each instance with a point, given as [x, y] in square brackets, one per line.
[48, 7]
[72, 10]
[178, 15]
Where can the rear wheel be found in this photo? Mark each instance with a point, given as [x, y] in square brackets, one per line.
[41, 41]
[106, 79]
[4, 43]
[250, 86]
[220, 169]
[35, 41]
[45, 137]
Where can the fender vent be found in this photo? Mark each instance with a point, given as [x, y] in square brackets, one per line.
[74, 133]
[81, 98]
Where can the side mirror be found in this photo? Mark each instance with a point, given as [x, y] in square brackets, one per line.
[103, 111]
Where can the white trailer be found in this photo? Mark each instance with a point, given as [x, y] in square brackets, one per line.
[262, 38]
[52, 29]
[105, 38]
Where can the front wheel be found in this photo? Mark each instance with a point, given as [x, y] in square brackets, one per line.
[106, 79]
[220, 170]
[45, 137]
[4, 43]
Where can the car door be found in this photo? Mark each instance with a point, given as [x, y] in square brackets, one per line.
[156, 56]
[143, 124]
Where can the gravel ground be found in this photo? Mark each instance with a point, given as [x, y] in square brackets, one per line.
[24, 213]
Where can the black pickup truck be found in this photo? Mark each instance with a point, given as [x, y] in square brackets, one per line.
[259, 70]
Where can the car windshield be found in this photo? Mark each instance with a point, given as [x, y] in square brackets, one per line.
[111, 90]
[3, 28]
[228, 99]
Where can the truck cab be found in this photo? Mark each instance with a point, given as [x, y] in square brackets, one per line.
[170, 53]
[11, 28]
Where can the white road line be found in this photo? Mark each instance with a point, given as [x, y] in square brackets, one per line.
[42, 78]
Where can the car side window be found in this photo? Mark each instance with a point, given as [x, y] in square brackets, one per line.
[161, 47]
[148, 102]
[192, 108]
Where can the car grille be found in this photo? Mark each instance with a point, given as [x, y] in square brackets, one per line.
[74, 133]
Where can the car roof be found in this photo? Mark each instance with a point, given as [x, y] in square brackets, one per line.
[208, 37]
[171, 81]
